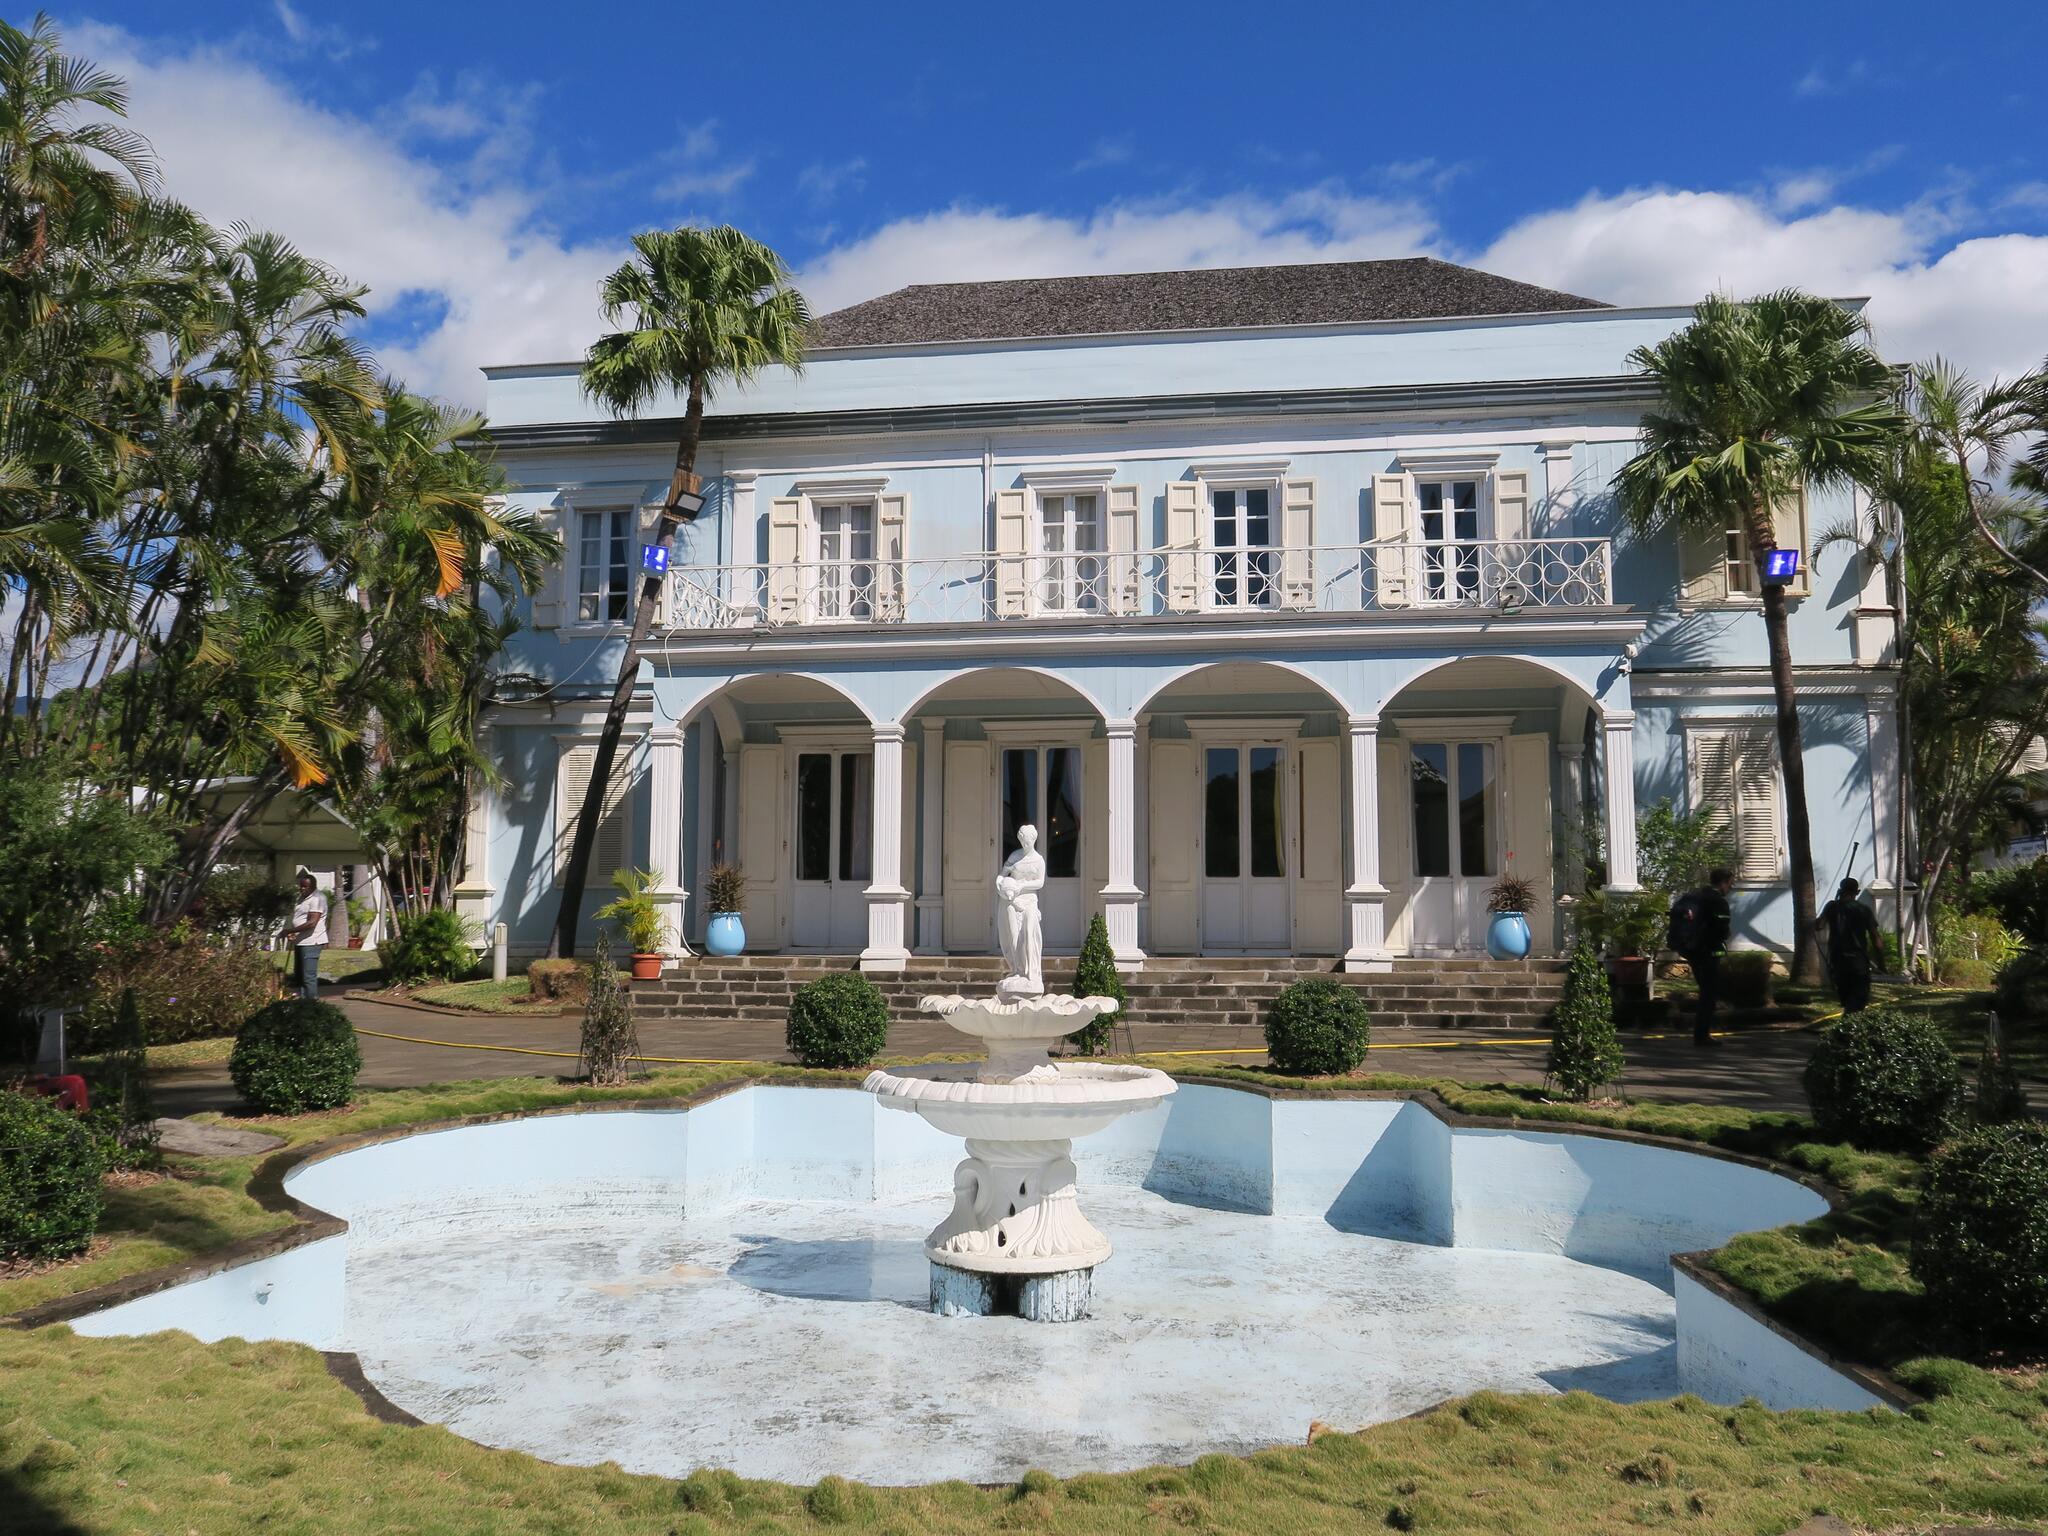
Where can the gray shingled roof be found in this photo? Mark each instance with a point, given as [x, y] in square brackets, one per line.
[1324, 293]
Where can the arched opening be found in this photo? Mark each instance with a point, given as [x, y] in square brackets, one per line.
[1244, 813]
[1001, 748]
[1483, 773]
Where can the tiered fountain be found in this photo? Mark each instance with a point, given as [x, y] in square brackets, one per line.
[1016, 1241]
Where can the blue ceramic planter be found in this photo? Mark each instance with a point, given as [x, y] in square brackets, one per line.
[727, 935]
[1507, 936]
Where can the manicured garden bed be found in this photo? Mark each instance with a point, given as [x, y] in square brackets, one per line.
[164, 1433]
[512, 995]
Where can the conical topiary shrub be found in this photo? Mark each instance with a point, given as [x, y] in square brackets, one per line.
[610, 1043]
[1584, 1050]
[1095, 975]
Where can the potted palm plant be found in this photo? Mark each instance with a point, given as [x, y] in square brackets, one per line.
[1509, 899]
[361, 915]
[725, 889]
[639, 918]
[1627, 926]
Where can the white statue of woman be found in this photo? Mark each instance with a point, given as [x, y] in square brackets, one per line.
[1017, 889]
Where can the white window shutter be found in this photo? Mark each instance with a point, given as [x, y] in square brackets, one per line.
[1183, 541]
[892, 545]
[1124, 577]
[783, 596]
[1788, 519]
[1013, 549]
[650, 531]
[1298, 540]
[1511, 505]
[1393, 527]
[1703, 564]
[550, 594]
[608, 853]
[572, 783]
[1757, 853]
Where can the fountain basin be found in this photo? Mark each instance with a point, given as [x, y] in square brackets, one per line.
[1076, 1099]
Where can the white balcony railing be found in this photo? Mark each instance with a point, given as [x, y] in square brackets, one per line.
[1503, 575]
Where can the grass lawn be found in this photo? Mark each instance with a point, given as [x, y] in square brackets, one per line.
[512, 995]
[165, 1434]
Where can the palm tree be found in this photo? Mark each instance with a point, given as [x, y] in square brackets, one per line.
[1758, 400]
[704, 308]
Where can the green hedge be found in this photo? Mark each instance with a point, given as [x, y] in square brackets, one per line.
[1318, 1028]
[1747, 976]
[295, 1056]
[2021, 992]
[184, 991]
[435, 945]
[1981, 1246]
[50, 1168]
[1885, 1081]
[838, 1021]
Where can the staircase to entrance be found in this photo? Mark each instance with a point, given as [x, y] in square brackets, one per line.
[1223, 992]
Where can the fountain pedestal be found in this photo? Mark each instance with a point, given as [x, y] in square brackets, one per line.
[1016, 1241]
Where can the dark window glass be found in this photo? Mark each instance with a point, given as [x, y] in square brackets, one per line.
[1020, 796]
[814, 816]
[856, 816]
[1061, 842]
[1475, 809]
[1465, 495]
[1258, 521]
[1269, 837]
[1219, 813]
[1428, 766]
[615, 594]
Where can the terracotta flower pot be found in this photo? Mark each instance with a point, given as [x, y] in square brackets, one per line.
[1629, 970]
[647, 967]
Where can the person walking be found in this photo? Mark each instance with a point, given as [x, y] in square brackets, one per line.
[308, 934]
[1853, 950]
[1699, 927]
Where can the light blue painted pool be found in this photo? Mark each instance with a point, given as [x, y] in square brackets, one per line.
[741, 1284]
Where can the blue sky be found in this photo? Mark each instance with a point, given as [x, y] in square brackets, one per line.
[480, 166]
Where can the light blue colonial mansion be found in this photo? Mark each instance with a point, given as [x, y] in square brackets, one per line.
[1290, 603]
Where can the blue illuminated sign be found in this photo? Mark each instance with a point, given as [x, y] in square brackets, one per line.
[1780, 565]
[654, 557]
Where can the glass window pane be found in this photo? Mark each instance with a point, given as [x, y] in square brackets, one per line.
[1061, 835]
[1269, 834]
[1428, 767]
[1465, 495]
[1467, 523]
[1219, 813]
[1475, 808]
[1432, 525]
[1430, 497]
[1225, 520]
[616, 587]
[814, 816]
[1020, 795]
[590, 569]
[856, 816]
[1258, 530]
[1087, 522]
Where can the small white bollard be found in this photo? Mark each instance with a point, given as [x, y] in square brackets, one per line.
[498, 938]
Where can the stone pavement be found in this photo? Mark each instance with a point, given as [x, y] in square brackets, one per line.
[1756, 1068]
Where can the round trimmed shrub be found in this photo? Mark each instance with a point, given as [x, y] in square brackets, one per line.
[838, 1021]
[50, 1167]
[2021, 992]
[294, 1056]
[1318, 1028]
[1981, 1247]
[435, 945]
[1884, 1081]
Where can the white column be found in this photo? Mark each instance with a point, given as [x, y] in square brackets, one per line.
[474, 891]
[931, 875]
[1881, 721]
[1618, 728]
[665, 833]
[1571, 784]
[886, 896]
[1365, 899]
[1121, 896]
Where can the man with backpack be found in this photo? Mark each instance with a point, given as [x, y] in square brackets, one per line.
[1700, 922]
[1853, 949]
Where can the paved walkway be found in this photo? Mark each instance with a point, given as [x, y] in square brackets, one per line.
[1755, 1068]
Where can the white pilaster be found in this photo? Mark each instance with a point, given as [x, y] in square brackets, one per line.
[887, 898]
[1881, 720]
[665, 833]
[931, 893]
[1571, 791]
[1365, 899]
[1560, 500]
[1618, 730]
[1121, 896]
[474, 892]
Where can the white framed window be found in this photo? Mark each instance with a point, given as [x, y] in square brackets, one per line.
[1740, 569]
[843, 557]
[1719, 566]
[1071, 541]
[604, 557]
[1733, 773]
[1244, 546]
[1448, 524]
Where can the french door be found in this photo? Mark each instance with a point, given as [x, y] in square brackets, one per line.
[833, 848]
[1246, 895]
[1041, 787]
[844, 579]
[1454, 808]
[1448, 514]
[1244, 566]
[1070, 553]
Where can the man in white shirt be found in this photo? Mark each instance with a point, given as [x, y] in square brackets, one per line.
[308, 933]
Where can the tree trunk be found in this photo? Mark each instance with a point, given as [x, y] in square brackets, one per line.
[563, 944]
[1792, 766]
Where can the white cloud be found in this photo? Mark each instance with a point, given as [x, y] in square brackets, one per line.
[823, 182]
[1983, 302]
[962, 244]
[698, 176]
[1106, 152]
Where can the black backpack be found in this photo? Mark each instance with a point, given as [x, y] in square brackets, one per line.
[1688, 931]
